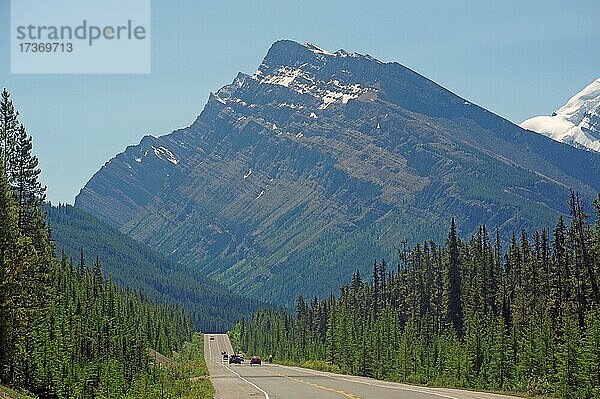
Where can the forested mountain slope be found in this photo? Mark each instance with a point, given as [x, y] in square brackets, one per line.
[522, 317]
[212, 306]
[319, 160]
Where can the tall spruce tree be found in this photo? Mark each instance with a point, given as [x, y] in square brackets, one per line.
[8, 240]
[9, 125]
[29, 191]
[454, 309]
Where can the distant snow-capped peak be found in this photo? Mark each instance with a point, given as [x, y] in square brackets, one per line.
[576, 123]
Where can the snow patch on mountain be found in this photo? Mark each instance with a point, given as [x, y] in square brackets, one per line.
[165, 154]
[301, 78]
[576, 123]
[290, 105]
[284, 76]
[316, 49]
[332, 96]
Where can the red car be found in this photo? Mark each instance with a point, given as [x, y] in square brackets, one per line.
[255, 360]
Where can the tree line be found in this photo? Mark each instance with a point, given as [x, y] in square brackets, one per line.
[470, 313]
[213, 307]
[65, 330]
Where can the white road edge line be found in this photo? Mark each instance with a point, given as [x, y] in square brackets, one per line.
[372, 384]
[243, 379]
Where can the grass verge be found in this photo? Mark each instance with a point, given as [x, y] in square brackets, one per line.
[184, 376]
[320, 365]
[7, 393]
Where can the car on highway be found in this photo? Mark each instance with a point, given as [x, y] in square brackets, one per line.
[255, 360]
[225, 356]
[235, 359]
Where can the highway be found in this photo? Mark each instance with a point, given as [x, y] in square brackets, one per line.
[271, 381]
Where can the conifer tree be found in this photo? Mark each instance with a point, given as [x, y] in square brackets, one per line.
[29, 191]
[376, 288]
[8, 274]
[356, 283]
[560, 277]
[8, 132]
[454, 302]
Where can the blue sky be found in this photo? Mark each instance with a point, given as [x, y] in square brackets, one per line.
[516, 58]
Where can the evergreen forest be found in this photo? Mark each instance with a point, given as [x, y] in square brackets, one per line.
[66, 331]
[474, 313]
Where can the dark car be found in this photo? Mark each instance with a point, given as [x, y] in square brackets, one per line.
[255, 360]
[225, 356]
[212, 338]
[235, 359]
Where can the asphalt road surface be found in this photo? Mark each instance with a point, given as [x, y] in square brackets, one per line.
[271, 381]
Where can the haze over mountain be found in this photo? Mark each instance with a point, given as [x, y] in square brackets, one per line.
[576, 123]
[293, 177]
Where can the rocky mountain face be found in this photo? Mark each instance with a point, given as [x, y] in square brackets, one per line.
[576, 123]
[295, 176]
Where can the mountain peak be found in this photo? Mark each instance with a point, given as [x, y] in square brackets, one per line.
[285, 45]
[581, 103]
[289, 52]
[576, 123]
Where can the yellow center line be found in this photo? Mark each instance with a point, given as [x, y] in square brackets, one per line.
[346, 394]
